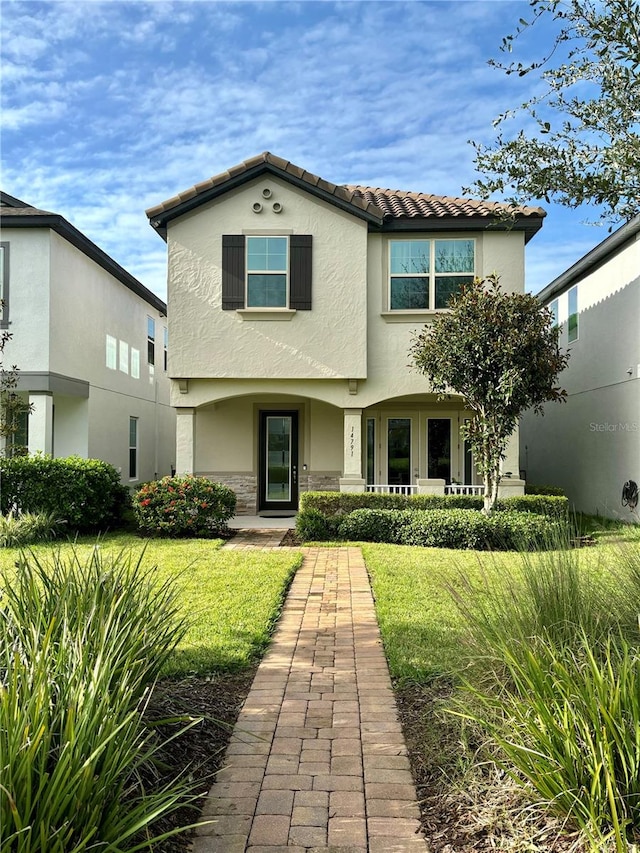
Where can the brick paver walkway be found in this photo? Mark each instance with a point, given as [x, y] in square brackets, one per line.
[317, 760]
[256, 539]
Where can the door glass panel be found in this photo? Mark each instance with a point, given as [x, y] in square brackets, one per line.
[439, 449]
[399, 452]
[278, 438]
[371, 451]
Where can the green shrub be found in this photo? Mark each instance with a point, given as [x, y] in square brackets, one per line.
[314, 526]
[341, 503]
[450, 528]
[86, 493]
[80, 644]
[27, 528]
[544, 490]
[184, 506]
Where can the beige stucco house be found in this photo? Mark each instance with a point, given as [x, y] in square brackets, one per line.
[90, 342]
[292, 302]
[591, 446]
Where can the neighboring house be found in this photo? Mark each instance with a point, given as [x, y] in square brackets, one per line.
[292, 303]
[90, 342]
[590, 446]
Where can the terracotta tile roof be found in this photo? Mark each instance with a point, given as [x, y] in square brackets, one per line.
[342, 193]
[373, 203]
[401, 203]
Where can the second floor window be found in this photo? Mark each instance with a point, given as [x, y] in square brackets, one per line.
[425, 274]
[267, 272]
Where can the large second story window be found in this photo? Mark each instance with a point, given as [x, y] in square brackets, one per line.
[573, 314]
[267, 272]
[425, 274]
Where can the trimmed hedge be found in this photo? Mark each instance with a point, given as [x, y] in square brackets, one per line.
[332, 504]
[85, 493]
[183, 506]
[453, 528]
[544, 490]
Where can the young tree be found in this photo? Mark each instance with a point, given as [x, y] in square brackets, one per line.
[583, 145]
[499, 351]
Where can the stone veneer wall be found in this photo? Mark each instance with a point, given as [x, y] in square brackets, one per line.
[246, 486]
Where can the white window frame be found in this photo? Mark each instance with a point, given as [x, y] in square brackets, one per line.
[249, 272]
[431, 274]
[570, 314]
[135, 447]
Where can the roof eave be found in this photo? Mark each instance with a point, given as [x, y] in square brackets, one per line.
[592, 260]
[60, 225]
[160, 220]
[530, 224]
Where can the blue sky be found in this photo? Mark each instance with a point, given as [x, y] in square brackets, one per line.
[111, 107]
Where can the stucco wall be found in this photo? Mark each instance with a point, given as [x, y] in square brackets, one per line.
[591, 445]
[327, 342]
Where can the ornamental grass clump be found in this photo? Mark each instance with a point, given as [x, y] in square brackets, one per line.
[184, 506]
[557, 687]
[27, 528]
[81, 644]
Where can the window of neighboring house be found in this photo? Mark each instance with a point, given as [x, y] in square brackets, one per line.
[573, 314]
[553, 307]
[425, 274]
[135, 363]
[133, 448]
[166, 347]
[151, 340]
[266, 272]
[4, 285]
[17, 442]
[124, 357]
[112, 352]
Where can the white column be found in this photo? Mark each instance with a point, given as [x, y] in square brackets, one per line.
[352, 480]
[41, 423]
[185, 441]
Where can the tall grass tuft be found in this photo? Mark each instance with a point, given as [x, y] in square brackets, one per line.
[80, 646]
[557, 686]
[18, 529]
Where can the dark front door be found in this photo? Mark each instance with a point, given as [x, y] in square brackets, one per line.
[278, 481]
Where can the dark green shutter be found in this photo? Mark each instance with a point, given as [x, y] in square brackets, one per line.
[300, 272]
[232, 272]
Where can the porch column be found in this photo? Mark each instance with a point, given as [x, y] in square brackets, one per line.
[352, 479]
[185, 441]
[41, 423]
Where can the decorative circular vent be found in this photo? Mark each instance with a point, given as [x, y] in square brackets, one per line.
[257, 207]
[266, 193]
[277, 207]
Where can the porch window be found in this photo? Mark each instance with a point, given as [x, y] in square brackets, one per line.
[439, 449]
[399, 451]
[425, 274]
[371, 451]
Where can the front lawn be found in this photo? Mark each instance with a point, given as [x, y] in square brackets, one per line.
[231, 598]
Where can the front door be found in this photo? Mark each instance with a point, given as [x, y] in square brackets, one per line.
[278, 457]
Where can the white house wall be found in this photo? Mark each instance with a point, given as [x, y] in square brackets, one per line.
[328, 342]
[590, 446]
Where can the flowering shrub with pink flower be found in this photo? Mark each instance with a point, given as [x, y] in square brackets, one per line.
[183, 506]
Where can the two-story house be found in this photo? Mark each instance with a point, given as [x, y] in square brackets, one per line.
[591, 446]
[90, 342]
[292, 303]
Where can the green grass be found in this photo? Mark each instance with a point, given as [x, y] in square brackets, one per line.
[231, 598]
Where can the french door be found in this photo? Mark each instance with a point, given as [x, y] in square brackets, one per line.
[278, 461]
